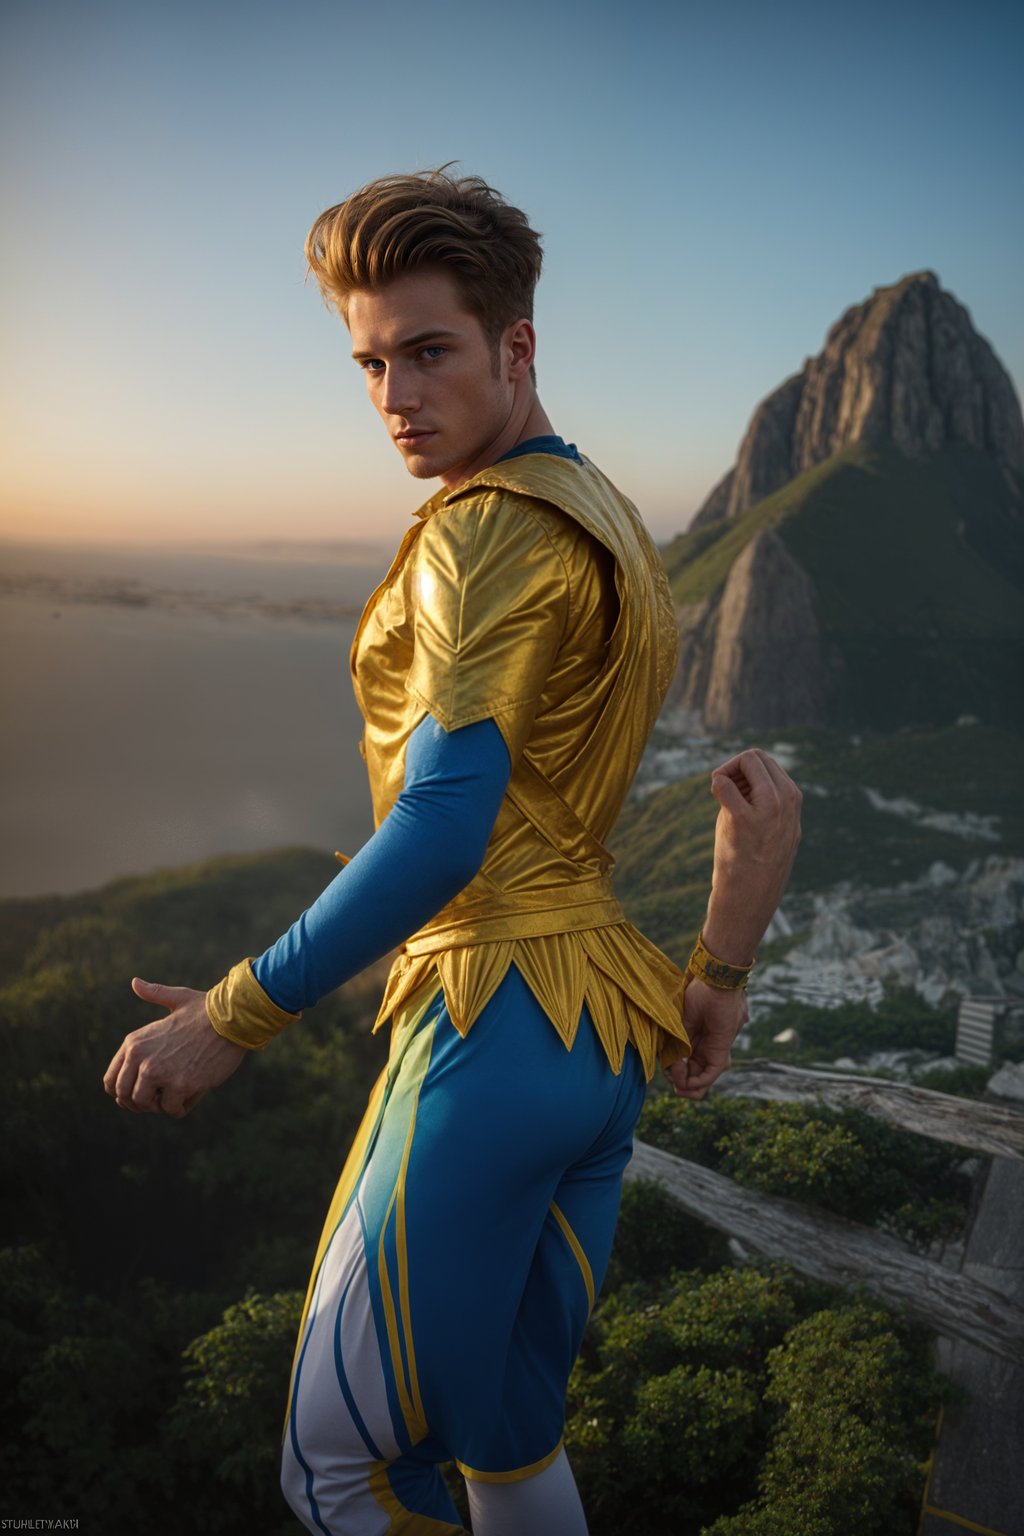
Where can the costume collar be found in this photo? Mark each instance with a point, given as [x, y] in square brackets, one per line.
[547, 476]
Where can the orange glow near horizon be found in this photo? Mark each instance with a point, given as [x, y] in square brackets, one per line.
[100, 521]
[93, 504]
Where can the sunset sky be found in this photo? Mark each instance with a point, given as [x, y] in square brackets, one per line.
[715, 184]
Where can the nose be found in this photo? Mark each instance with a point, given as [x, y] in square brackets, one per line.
[398, 396]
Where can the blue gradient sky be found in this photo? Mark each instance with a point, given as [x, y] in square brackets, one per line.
[715, 184]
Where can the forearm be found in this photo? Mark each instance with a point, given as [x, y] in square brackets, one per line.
[741, 905]
[756, 839]
[426, 850]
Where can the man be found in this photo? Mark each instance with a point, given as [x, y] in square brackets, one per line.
[509, 668]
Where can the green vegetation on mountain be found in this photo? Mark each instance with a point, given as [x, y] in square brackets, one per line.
[154, 1268]
[855, 1029]
[663, 843]
[132, 1236]
[967, 769]
[918, 570]
[225, 907]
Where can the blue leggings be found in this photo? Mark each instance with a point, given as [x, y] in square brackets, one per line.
[469, 1233]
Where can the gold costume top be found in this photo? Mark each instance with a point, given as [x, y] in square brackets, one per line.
[494, 606]
[498, 604]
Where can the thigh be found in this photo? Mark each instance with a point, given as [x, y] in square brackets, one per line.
[511, 1191]
[565, 1274]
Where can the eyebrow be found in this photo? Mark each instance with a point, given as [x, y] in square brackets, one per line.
[412, 341]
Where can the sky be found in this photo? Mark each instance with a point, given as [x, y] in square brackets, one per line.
[715, 183]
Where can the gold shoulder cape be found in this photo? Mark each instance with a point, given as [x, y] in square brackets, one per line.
[494, 607]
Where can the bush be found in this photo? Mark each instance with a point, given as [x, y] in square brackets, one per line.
[226, 1425]
[855, 1400]
[665, 1406]
[654, 1236]
[969, 1082]
[81, 1383]
[844, 1161]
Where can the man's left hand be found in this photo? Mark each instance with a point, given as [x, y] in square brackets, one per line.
[168, 1066]
[713, 1018]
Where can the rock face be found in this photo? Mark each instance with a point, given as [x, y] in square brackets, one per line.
[726, 668]
[906, 365]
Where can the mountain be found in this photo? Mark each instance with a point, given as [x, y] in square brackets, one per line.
[906, 367]
[863, 562]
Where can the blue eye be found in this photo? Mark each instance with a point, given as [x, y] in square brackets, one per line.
[434, 352]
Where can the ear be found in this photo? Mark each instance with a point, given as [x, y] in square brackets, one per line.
[518, 349]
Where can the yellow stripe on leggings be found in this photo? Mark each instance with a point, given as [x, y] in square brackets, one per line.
[577, 1248]
[959, 1521]
[391, 1320]
[403, 1278]
[408, 1386]
[349, 1178]
[518, 1476]
[403, 1521]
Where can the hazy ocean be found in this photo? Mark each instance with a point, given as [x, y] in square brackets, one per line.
[159, 707]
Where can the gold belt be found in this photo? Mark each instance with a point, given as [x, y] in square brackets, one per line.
[528, 915]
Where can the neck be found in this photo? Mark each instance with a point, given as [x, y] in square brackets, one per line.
[527, 419]
[537, 424]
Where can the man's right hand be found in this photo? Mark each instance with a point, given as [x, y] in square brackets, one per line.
[713, 1018]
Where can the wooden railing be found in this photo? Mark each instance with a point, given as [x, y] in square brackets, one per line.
[841, 1252]
[969, 1123]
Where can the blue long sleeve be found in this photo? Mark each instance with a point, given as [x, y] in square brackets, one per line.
[424, 852]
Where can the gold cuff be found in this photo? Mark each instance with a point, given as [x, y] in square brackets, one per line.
[717, 973]
[241, 1011]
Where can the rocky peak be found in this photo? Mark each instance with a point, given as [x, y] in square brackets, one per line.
[907, 366]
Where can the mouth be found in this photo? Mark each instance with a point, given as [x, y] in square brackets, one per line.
[412, 437]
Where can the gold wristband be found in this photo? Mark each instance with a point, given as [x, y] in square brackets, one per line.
[240, 1010]
[717, 973]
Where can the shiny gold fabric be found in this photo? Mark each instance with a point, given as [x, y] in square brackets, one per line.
[534, 595]
[240, 1010]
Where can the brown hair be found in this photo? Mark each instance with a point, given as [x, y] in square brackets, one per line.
[399, 223]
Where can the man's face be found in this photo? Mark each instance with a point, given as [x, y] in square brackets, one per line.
[443, 393]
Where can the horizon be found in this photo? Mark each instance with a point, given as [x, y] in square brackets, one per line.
[183, 383]
[214, 543]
